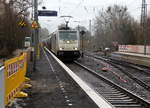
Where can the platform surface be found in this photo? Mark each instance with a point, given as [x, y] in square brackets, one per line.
[47, 90]
[133, 54]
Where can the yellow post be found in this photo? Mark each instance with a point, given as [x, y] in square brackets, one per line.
[38, 52]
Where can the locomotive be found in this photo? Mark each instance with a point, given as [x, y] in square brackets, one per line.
[65, 43]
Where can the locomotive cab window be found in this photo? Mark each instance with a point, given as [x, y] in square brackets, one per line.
[68, 35]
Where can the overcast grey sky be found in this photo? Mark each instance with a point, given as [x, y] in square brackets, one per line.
[84, 10]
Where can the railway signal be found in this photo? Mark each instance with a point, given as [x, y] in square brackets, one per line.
[82, 32]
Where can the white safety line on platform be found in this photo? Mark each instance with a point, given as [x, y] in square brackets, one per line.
[99, 100]
[48, 61]
[1, 68]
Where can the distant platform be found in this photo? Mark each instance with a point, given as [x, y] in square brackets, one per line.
[135, 58]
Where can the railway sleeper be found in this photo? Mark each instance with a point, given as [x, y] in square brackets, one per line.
[111, 93]
[113, 97]
[117, 94]
[128, 106]
[121, 100]
[123, 103]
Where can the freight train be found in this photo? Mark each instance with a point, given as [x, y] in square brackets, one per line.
[64, 43]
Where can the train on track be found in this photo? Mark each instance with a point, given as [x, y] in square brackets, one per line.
[64, 43]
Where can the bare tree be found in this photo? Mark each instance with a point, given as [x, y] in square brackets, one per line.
[114, 25]
[11, 32]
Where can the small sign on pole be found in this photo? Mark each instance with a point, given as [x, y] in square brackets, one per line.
[22, 24]
[35, 25]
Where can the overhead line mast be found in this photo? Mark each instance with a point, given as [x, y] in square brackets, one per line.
[143, 22]
[143, 12]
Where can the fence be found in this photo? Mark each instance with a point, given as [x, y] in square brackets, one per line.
[13, 80]
[134, 49]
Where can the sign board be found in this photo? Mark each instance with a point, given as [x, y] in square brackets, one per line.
[22, 23]
[47, 13]
[34, 25]
[115, 43]
[27, 42]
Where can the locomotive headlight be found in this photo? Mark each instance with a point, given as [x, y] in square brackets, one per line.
[68, 42]
[60, 48]
[76, 48]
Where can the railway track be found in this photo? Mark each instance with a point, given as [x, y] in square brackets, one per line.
[119, 97]
[144, 69]
[139, 75]
[90, 100]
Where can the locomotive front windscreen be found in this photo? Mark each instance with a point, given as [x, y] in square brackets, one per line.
[68, 35]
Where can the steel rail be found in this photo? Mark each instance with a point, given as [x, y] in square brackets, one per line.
[99, 101]
[143, 102]
[126, 72]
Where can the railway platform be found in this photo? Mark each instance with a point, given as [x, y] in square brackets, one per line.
[54, 85]
[52, 88]
[135, 58]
